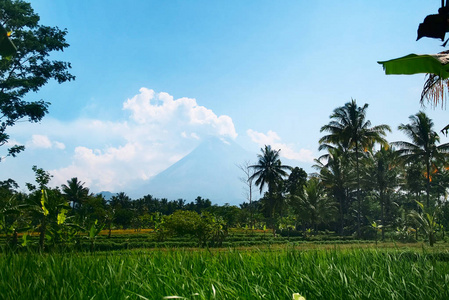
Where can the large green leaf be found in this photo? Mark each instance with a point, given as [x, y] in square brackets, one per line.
[413, 64]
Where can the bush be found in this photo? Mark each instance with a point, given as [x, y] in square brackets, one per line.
[206, 229]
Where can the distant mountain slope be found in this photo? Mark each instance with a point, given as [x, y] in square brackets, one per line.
[107, 195]
[209, 171]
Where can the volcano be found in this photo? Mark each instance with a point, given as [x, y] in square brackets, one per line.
[210, 171]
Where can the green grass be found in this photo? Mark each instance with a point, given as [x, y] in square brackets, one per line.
[227, 274]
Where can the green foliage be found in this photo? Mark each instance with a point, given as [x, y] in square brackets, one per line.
[12, 220]
[313, 206]
[352, 132]
[29, 68]
[75, 192]
[204, 228]
[93, 233]
[269, 170]
[48, 211]
[423, 146]
[338, 177]
[426, 221]
[296, 181]
[7, 48]
[42, 178]
[380, 179]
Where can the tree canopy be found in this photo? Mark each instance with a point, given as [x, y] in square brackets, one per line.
[29, 68]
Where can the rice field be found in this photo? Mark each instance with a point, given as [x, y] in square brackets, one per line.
[254, 273]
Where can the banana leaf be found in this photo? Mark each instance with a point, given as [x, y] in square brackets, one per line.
[437, 64]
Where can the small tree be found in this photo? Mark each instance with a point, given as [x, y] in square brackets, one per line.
[248, 180]
[48, 209]
[426, 221]
[92, 234]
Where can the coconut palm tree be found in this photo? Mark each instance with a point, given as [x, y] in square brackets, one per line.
[350, 129]
[269, 172]
[423, 146]
[313, 206]
[75, 192]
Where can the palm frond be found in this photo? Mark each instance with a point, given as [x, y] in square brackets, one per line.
[435, 91]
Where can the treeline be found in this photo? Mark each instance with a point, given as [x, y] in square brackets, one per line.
[60, 215]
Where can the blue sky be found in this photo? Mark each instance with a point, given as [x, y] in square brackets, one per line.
[154, 78]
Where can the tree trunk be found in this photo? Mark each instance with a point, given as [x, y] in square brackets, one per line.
[15, 239]
[382, 216]
[251, 209]
[358, 189]
[110, 230]
[273, 208]
[428, 183]
[341, 217]
[431, 239]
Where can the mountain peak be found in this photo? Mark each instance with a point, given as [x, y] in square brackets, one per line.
[209, 171]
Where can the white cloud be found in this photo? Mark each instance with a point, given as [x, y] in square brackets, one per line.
[263, 139]
[109, 169]
[159, 131]
[59, 145]
[43, 142]
[162, 110]
[40, 141]
[287, 151]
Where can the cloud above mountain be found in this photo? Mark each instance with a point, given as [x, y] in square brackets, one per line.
[161, 112]
[157, 131]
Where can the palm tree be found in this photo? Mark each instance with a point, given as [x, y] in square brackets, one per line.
[382, 175]
[350, 129]
[337, 177]
[423, 146]
[75, 192]
[269, 171]
[314, 206]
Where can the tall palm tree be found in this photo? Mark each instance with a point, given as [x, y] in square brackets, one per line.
[423, 145]
[269, 171]
[350, 129]
[75, 192]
